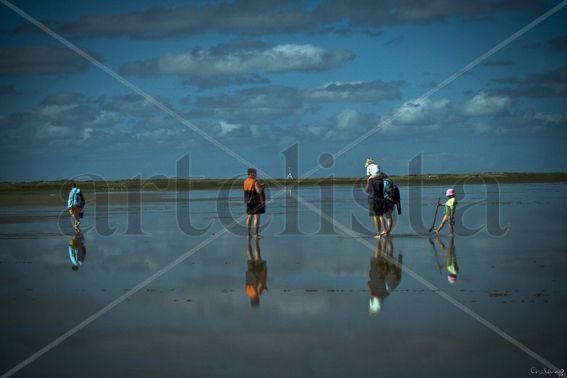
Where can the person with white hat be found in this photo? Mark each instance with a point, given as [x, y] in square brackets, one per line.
[372, 169]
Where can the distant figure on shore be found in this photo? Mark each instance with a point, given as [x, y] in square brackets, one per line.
[255, 199]
[385, 274]
[75, 206]
[449, 215]
[289, 181]
[77, 251]
[289, 175]
[256, 274]
[383, 194]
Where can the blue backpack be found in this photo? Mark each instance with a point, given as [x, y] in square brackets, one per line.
[78, 199]
[392, 194]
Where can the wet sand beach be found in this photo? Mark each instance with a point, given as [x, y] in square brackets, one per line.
[314, 319]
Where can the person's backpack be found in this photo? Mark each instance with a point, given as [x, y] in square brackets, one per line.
[81, 200]
[76, 198]
[250, 195]
[392, 193]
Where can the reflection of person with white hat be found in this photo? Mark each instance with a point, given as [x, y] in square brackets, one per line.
[385, 274]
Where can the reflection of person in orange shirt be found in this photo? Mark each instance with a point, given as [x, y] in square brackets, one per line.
[256, 274]
[385, 274]
[77, 250]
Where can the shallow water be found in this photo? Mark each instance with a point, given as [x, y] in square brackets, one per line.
[314, 318]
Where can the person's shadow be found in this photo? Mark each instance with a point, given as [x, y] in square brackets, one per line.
[77, 250]
[256, 273]
[385, 274]
[450, 253]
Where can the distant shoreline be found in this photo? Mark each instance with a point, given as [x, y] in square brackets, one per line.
[210, 184]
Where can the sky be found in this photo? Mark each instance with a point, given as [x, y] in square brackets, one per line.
[260, 77]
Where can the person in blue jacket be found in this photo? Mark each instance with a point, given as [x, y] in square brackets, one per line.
[75, 205]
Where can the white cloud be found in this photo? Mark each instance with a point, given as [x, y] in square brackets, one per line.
[487, 128]
[424, 112]
[483, 105]
[134, 105]
[355, 91]
[255, 105]
[227, 128]
[345, 125]
[241, 59]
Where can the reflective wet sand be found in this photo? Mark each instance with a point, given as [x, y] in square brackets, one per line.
[316, 304]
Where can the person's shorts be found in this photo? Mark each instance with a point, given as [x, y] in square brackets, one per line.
[255, 208]
[379, 206]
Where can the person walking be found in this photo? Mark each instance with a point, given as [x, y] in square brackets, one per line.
[379, 208]
[449, 214]
[255, 199]
[75, 205]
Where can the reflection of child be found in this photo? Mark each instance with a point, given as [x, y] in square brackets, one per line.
[372, 169]
[450, 259]
[452, 267]
[449, 216]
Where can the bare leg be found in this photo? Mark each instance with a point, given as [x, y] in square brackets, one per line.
[76, 218]
[451, 228]
[442, 224]
[249, 224]
[249, 249]
[257, 225]
[377, 224]
[257, 254]
[387, 219]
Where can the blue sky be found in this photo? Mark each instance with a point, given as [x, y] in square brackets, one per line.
[260, 76]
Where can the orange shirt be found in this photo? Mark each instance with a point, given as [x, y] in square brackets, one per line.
[249, 184]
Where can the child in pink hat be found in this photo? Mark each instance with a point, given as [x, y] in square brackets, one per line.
[449, 216]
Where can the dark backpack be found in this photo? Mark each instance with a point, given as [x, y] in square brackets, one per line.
[392, 193]
[81, 200]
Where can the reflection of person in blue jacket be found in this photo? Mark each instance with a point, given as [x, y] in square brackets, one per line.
[385, 274]
[77, 250]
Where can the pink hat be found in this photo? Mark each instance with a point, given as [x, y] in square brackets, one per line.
[450, 192]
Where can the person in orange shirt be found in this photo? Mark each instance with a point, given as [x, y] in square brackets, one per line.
[255, 199]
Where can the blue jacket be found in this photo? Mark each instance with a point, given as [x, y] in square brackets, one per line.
[73, 198]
